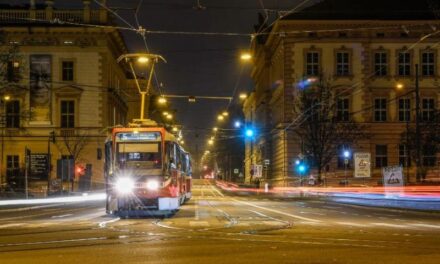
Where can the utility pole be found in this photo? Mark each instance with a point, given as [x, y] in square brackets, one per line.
[418, 147]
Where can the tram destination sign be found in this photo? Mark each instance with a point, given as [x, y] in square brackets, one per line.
[138, 136]
[39, 166]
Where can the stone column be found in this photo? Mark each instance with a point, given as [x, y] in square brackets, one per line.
[103, 14]
[49, 9]
[32, 13]
[86, 4]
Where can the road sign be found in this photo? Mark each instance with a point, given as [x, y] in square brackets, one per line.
[392, 176]
[362, 165]
[236, 171]
[257, 170]
[266, 162]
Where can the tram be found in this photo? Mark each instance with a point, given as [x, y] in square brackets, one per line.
[147, 171]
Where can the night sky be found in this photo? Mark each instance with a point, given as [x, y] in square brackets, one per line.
[197, 65]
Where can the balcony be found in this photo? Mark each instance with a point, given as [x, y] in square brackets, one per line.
[50, 15]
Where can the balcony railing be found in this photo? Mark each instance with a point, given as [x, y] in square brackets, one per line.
[15, 16]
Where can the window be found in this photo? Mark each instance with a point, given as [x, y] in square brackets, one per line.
[342, 112]
[342, 63]
[404, 65]
[429, 156]
[380, 109]
[67, 70]
[13, 170]
[381, 156]
[380, 63]
[312, 63]
[428, 109]
[404, 110]
[13, 114]
[404, 159]
[428, 63]
[67, 114]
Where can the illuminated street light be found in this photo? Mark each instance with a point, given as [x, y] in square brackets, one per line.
[175, 129]
[169, 116]
[246, 56]
[211, 142]
[220, 117]
[225, 113]
[165, 113]
[215, 129]
[243, 96]
[162, 100]
[7, 98]
[143, 60]
[237, 124]
[399, 86]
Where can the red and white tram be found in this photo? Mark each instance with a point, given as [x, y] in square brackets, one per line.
[147, 172]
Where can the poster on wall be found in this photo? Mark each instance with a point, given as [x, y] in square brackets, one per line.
[40, 88]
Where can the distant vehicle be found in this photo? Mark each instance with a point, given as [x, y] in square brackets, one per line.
[147, 171]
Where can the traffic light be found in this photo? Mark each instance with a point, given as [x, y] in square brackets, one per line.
[249, 133]
[301, 167]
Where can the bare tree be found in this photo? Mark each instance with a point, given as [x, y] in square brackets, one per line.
[429, 143]
[73, 145]
[321, 128]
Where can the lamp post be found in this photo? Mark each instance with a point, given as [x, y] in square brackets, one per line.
[346, 157]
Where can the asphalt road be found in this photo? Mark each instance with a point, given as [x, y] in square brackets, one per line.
[217, 228]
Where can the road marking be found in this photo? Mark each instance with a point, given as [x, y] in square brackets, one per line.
[198, 223]
[426, 225]
[104, 223]
[28, 208]
[53, 242]
[278, 212]
[60, 216]
[166, 225]
[197, 213]
[11, 225]
[275, 219]
[389, 225]
[351, 224]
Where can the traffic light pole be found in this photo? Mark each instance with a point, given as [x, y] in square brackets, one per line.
[418, 147]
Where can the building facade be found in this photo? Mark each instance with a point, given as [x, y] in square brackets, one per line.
[367, 49]
[62, 90]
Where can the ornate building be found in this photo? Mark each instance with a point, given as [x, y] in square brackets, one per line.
[364, 47]
[61, 90]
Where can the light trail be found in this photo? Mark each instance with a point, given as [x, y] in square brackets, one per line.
[74, 199]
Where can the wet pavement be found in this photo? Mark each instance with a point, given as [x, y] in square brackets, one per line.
[217, 228]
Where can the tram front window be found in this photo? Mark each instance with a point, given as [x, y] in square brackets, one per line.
[139, 155]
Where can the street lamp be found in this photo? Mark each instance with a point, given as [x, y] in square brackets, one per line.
[346, 155]
[169, 116]
[210, 142]
[162, 100]
[225, 113]
[220, 118]
[215, 129]
[237, 124]
[242, 96]
[246, 56]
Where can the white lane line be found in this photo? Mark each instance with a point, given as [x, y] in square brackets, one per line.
[104, 223]
[266, 216]
[28, 208]
[389, 225]
[217, 191]
[53, 242]
[60, 216]
[351, 224]
[426, 225]
[158, 223]
[276, 211]
[11, 225]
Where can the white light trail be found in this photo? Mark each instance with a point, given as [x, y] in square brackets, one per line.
[73, 199]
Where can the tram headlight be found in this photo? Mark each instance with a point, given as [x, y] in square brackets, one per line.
[152, 185]
[124, 185]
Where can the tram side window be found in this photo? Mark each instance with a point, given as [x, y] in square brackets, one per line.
[183, 161]
[178, 157]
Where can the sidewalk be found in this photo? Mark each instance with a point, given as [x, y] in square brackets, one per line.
[408, 197]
